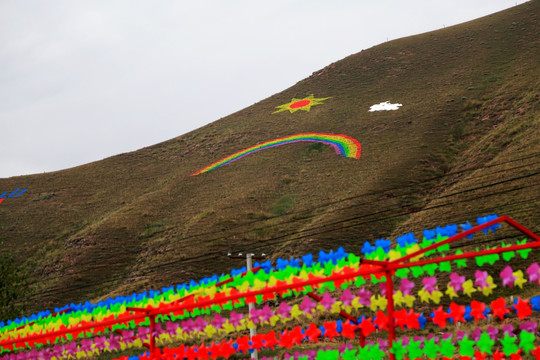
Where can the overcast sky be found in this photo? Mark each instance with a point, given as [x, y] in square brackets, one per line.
[84, 80]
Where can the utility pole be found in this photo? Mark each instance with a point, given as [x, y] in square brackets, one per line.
[249, 267]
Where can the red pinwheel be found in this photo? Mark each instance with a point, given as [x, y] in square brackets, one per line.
[191, 353]
[271, 340]
[497, 355]
[313, 333]
[478, 355]
[400, 317]
[536, 353]
[202, 352]
[330, 330]
[297, 336]
[367, 326]
[257, 341]
[286, 340]
[243, 343]
[381, 320]
[412, 320]
[516, 356]
[227, 349]
[477, 310]
[349, 330]
[498, 308]
[440, 317]
[457, 312]
[523, 308]
[215, 350]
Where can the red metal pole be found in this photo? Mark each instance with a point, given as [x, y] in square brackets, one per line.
[152, 338]
[390, 310]
[520, 227]
[362, 340]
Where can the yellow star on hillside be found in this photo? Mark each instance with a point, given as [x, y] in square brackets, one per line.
[304, 104]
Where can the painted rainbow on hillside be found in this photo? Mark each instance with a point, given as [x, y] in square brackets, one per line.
[344, 145]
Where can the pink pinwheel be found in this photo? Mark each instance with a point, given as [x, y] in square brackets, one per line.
[47, 354]
[347, 297]
[406, 286]
[199, 324]
[405, 339]
[419, 338]
[171, 327]
[327, 301]
[114, 344]
[344, 347]
[307, 305]
[70, 348]
[508, 329]
[534, 273]
[475, 335]
[236, 318]
[86, 344]
[382, 288]
[128, 336]
[254, 315]
[158, 329]
[492, 332]
[34, 354]
[187, 325]
[266, 313]
[481, 279]
[58, 350]
[446, 336]
[364, 297]
[284, 310]
[100, 342]
[142, 331]
[507, 276]
[218, 321]
[430, 284]
[529, 326]
[383, 343]
[460, 335]
[456, 281]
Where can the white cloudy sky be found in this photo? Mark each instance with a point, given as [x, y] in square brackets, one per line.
[84, 80]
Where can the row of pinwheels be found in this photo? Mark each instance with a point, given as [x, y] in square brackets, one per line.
[102, 309]
[201, 329]
[478, 344]
[288, 278]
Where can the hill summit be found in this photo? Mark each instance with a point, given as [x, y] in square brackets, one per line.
[461, 139]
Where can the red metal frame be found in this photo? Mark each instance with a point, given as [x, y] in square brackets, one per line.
[367, 267]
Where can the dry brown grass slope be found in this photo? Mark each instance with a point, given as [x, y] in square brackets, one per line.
[465, 143]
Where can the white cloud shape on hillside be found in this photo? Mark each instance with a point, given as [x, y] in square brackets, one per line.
[384, 106]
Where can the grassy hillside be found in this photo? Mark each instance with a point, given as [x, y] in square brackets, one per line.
[466, 142]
